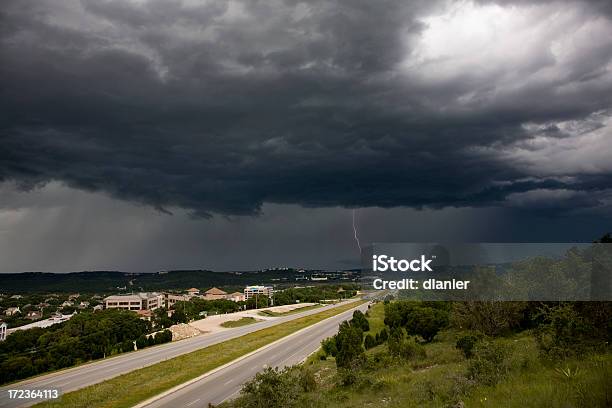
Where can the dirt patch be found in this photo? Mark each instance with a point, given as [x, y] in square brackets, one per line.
[183, 331]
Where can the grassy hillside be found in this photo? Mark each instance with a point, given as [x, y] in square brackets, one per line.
[443, 377]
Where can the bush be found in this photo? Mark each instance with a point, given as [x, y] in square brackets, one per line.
[370, 342]
[307, 379]
[329, 346]
[489, 364]
[274, 388]
[491, 318]
[403, 347]
[142, 342]
[164, 336]
[348, 342]
[347, 376]
[359, 320]
[426, 322]
[564, 332]
[466, 345]
[127, 345]
[382, 336]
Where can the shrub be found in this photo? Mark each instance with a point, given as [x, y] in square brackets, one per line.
[563, 333]
[141, 342]
[370, 342]
[359, 320]
[466, 345]
[489, 364]
[348, 342]
[489, 317]
[347, 376]
[271, 388]
[382, 336]
[400, 346]
[329, 346]
[307, 379]
[426, 322]
[127, 345]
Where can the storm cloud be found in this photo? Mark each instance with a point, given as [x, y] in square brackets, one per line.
[218, 107]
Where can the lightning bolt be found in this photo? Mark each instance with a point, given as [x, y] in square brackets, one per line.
[355, 231]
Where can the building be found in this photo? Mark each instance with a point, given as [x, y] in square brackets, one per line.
[84, 305]
[138, 301]
[214, 294]
[170, 299]
[257, 290]
[11, 311]
[34, 315]
[55, 319]
[67, 304]
[235, 297]
[193, 291]
[3, 330]
[97, 308]
[145, 314]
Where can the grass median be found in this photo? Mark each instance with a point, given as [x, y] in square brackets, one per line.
[270, 313]
[129, 389]
[240, 322]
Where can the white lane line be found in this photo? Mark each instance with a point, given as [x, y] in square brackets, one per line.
[192, 402]
[227, 382]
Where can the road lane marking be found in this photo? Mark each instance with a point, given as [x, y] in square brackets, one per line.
[192, 402]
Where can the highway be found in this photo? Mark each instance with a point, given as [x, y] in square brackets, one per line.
[95, 372]
[227, 382]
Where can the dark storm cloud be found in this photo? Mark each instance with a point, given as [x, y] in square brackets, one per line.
[219, 107]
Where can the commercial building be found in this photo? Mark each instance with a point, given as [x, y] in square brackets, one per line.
[257, 290]
[138, 301]
[235, 297]
[193, 291]
[214, 294]
[171, 298]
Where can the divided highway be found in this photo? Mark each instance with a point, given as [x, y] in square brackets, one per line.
[227, 382]
[95, 372]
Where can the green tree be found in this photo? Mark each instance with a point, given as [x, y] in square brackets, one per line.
[426, 322]
[348, 342]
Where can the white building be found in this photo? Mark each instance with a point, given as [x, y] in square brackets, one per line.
[11, 311]
[55, 319]
[257, 290]
[138, 301]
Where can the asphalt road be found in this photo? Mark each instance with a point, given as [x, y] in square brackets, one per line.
[227, 382]
[92, 373]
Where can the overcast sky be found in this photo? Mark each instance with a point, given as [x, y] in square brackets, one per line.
[145, 135]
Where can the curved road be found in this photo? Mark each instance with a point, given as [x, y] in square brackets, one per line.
[227, 382]
[95, 372]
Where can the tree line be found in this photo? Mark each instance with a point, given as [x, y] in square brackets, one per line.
[85, 337]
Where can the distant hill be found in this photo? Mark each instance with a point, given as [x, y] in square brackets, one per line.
[110, 281]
